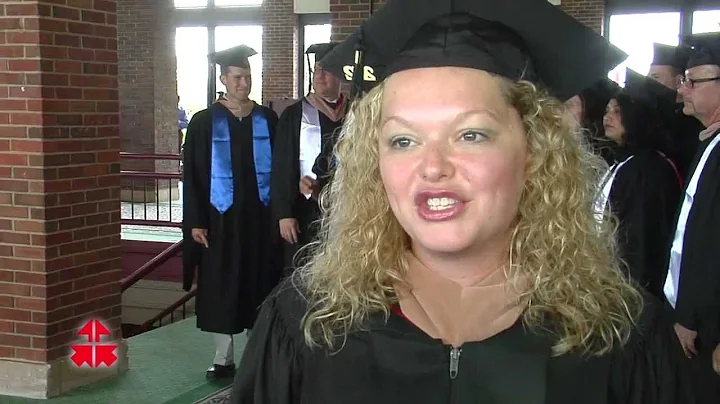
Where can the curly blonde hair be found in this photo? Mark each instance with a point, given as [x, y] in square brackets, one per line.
[566, 259]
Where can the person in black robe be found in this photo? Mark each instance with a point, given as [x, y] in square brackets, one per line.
[229, 236]
[668, 68]
[343, 330]
[692, 286]
[304, 129]
[642, 188]
[392, 361]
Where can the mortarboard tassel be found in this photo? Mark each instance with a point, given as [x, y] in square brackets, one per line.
[357, 79]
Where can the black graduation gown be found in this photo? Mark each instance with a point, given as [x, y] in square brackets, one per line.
[644, 197]
[698, 301]
[395, 362]
[240, 267]
[288, 202]
[685, 141]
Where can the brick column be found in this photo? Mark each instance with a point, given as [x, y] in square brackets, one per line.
[60, 259]
[280, 50]
[148, 92]
[589, 12]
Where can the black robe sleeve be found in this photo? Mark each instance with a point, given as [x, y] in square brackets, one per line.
[651, 367]
[195, 200]
[284, 187]
[644, 197]
[270, 370]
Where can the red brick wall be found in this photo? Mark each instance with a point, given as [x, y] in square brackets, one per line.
[280, 39]
[148, 90]
[589, 12]
[165, 125]
[348, 14]
[59, 185]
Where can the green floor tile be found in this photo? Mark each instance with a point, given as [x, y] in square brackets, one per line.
[167, 366]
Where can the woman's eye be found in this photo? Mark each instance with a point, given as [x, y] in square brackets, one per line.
[473, 136]
[401, 142]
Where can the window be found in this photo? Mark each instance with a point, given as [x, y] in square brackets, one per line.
[191, 3]
[313, 34]
[191, 50]
[706, 21]
[635, 34]
[250, 35]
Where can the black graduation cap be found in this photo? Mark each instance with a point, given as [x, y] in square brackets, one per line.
[236, 56]
[666, 55]
[704, 49]
[320, 50]
[528, 39]
[655, 95]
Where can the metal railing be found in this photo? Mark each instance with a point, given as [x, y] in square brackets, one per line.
[152, 215]
[151, 265]
[150, 210]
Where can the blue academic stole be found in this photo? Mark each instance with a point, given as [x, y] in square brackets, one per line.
[221, 173]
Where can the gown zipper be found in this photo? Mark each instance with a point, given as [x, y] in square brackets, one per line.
[454, 368]
[454, 361]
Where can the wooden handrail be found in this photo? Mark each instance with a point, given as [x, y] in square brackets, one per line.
[168, 311]
[151, 265]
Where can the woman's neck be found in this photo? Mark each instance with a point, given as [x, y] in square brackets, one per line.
[466, 268]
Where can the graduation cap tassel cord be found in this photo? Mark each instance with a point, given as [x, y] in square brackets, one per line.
[310, 76]
[358, 71]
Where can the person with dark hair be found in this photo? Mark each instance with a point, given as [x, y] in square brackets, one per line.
[460, 260]
[642, 187]
[304, 129]
[229, 236]
[588, 109]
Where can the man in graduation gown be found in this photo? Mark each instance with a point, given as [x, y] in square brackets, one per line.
[692, 286]
[668, 68]
[229, 235]
[304, 128]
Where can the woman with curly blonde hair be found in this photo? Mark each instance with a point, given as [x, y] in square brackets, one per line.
[460, 260]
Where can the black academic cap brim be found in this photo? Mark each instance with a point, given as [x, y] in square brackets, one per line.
[666, 55]
[567, 56]
[320, 49]
[704, 49]
[653, 94]
[236, 56]
[603, 90]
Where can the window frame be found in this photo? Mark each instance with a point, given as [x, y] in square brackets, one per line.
[686, 8]
[211, 17]
[303, 21]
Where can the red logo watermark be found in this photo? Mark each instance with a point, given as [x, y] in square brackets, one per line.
[93, 354]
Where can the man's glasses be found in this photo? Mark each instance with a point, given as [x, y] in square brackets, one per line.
[688, 82]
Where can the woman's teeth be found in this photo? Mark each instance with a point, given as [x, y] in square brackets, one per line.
[440, 203]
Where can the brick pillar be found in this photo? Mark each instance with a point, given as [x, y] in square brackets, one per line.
[589, 12]
[280, 50]
[60, 259]
[148, 92]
